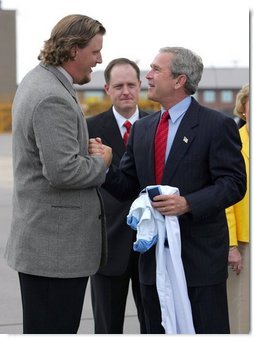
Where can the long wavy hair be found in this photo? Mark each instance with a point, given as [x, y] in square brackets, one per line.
[72, 30]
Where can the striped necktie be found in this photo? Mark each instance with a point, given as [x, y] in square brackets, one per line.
[160, 144]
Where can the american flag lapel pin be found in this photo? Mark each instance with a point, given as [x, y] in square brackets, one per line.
[185, 139]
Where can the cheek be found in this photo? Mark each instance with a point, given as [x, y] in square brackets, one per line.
[135, 93]
[114, 96]
[82, 64]
[247, 108]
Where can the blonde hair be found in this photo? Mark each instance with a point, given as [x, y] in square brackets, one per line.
[240, 102]
[72, 30]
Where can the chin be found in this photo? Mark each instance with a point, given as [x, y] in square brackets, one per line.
[150, 93]
[85, 80]
[153, 98]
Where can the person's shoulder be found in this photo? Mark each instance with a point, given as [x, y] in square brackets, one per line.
[142, 113]
[31, 75]
[244, 132]
[213, 113]
[146, 116]
[99, 117]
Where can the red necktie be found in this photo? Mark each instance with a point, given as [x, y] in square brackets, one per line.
[127, 125]
[160, 144]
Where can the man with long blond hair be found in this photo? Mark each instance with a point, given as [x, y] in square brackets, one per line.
[57, 237]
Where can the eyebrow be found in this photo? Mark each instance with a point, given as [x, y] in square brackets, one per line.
[155, 66]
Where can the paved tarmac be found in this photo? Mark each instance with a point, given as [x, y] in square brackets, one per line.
[10, 300]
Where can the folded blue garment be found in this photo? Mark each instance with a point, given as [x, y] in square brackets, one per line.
[140, 219]
[143, 245]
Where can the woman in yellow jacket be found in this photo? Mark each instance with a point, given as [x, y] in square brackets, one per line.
[238, 223]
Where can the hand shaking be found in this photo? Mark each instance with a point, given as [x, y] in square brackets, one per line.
[97, 148]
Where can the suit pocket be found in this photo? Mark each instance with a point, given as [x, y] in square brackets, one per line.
[68, 199]
[68, 207]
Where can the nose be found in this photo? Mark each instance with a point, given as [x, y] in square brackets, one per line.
[126, 90]
[148, 75]
[99, 59]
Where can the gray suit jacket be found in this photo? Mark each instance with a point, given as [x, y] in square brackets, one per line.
[58, 227]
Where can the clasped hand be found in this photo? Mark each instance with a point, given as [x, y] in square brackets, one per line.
[96, 147]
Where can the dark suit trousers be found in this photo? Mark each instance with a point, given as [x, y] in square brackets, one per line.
[208, 303]
[210, 309]
[51, 305]
[150, 300]
[109, 295]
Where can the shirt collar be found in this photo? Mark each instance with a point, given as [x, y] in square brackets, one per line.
[121, 120]
[65, 73]
[179, 109]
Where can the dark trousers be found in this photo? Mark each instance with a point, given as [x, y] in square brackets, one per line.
[210, 309]
[152, 309]
[51, 305]
[208, 303]
[109, 295]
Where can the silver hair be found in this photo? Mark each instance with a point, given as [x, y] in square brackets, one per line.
[188, 63]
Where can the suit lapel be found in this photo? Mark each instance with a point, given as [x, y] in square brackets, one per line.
[183, 139]
[149, 141]
[111, 134]
[142, 114]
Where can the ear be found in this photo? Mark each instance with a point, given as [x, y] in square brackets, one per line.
[106, 88]
[73, 52]
[180, 81]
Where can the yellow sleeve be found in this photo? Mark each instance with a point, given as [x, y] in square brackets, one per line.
[231, 219]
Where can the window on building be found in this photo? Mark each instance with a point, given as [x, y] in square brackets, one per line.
[209, 96]
[226, 96]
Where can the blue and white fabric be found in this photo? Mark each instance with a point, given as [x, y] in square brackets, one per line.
[153, 228]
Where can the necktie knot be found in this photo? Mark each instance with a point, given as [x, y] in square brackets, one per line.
[127, 125]
[165, 116]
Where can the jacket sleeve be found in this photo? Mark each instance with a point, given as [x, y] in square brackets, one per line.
[227, 174]
[230, 214]
[56, 127]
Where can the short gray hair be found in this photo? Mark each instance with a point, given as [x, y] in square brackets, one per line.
[188, 63]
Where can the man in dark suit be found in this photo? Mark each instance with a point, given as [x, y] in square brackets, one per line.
[109, 287]
[203, 159]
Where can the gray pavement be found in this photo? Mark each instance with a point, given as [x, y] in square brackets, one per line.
[10, 300]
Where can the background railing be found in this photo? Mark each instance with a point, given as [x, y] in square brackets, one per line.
[90, 107]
